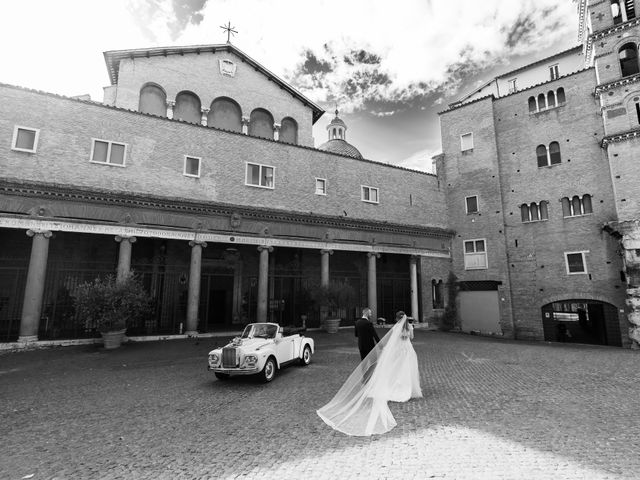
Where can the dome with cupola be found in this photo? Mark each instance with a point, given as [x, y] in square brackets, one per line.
[337, 142]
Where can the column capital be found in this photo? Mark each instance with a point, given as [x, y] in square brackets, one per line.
[205, 111]
[413, 258]
[171, 103]
[277, 127]
[326, 251]
[371, 254]
[200, 243]
[268, 248]
[245, 120]
[33, 232]
[120, 238]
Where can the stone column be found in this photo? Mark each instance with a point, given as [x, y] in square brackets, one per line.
[205, 113]
[263, 282]
[245, 125]
[34, 290]
[413, 277]
[170, 106]
[276, 131]
[372, 296]
[124, 257]
[193, 296]
[324, 267]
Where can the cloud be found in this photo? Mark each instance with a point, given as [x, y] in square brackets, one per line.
[162, 20]
[420, 160]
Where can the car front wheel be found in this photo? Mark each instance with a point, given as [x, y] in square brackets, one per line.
[306, 356]
[269, 370]
[222, 376]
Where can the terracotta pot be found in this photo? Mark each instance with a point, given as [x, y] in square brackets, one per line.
[113, 339]
[331, 325]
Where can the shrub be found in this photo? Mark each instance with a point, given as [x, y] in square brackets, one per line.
[108, 305]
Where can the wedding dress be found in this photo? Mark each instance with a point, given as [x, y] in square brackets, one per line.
[388, 373]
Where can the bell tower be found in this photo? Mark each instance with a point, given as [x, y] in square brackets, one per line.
[610, 33]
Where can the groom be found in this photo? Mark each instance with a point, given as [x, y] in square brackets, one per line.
[367, 336]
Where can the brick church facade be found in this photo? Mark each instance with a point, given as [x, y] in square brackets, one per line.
[198, 171]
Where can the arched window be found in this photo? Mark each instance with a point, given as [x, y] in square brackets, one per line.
[335, 134]
[187, 108]
[575, 206]
[535, 215]
[586, 204]
[153, 100]
[551, 99]
[288, 131]
[554, 153]
[616, 12]
[524, 212]
[532, 105]
[544, 210]
[542, 104]
[628, 55]
[560, 96]
[226, 114]
[261, 123]
[566, 207]
[541, 153]
[437, 293]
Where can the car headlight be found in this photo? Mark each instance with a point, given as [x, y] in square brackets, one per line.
[213, 358]
[250, 360]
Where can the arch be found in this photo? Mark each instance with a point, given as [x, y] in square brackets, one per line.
[551, 99]
[225, 113]
[153, 100]
[554, 153]
[542, 102]
[288, 131]
[566, 207]
[544, 210]
[586, 204]
[187, 107]
[261, 123]
[632, 103]
[541, 153]
[628, 56]
[575, 205]
[524, 212]
[616, 12]
[560, 96]
[533, 107]
[535, 215]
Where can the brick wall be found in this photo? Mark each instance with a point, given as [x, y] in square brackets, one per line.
[155, 156]
[200, 74]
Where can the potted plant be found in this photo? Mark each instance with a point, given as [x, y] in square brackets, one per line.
[334, 299]
[110, 306]
[304, 302]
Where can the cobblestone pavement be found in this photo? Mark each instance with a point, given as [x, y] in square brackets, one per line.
[493, 409]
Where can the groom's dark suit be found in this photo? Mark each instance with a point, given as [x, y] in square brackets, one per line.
[367, 336]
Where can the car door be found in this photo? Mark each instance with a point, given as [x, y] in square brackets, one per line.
[284, 348]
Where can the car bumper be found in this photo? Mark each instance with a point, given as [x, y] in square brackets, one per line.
[235, 371]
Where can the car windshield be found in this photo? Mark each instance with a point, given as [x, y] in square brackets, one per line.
[259, 330]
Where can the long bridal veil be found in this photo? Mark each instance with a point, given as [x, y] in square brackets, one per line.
[360, 406]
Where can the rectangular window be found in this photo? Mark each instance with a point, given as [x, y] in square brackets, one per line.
[25, 139]
[370, 194]
[554, 71]
[260, 175]
[110, 153]
[466, 142]
[512, 85]
[321, 186]
[576, 263]
[475, 254]
[191, 166]
[472, 204]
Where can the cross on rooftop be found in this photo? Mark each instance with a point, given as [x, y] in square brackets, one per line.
[230, 31]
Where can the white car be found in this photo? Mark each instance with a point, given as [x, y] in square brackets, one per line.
[261, 349]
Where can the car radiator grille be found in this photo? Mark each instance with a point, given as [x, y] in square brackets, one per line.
[229, 358]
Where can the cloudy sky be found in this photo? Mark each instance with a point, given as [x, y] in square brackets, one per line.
[390, 67]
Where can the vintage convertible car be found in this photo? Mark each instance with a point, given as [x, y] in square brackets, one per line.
[262, 349]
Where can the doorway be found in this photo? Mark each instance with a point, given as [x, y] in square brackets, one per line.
[581, 321]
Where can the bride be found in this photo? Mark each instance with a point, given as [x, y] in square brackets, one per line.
[388, 373]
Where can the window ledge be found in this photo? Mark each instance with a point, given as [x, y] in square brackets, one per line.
[258, 186]
[107, 164]
[578, 216]
[536, 221]
[544, 110]
[22, 150]
[550, 166]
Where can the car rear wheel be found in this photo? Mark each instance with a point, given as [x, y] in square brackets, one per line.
[222, 376]
[306, 356]
[269, 371]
